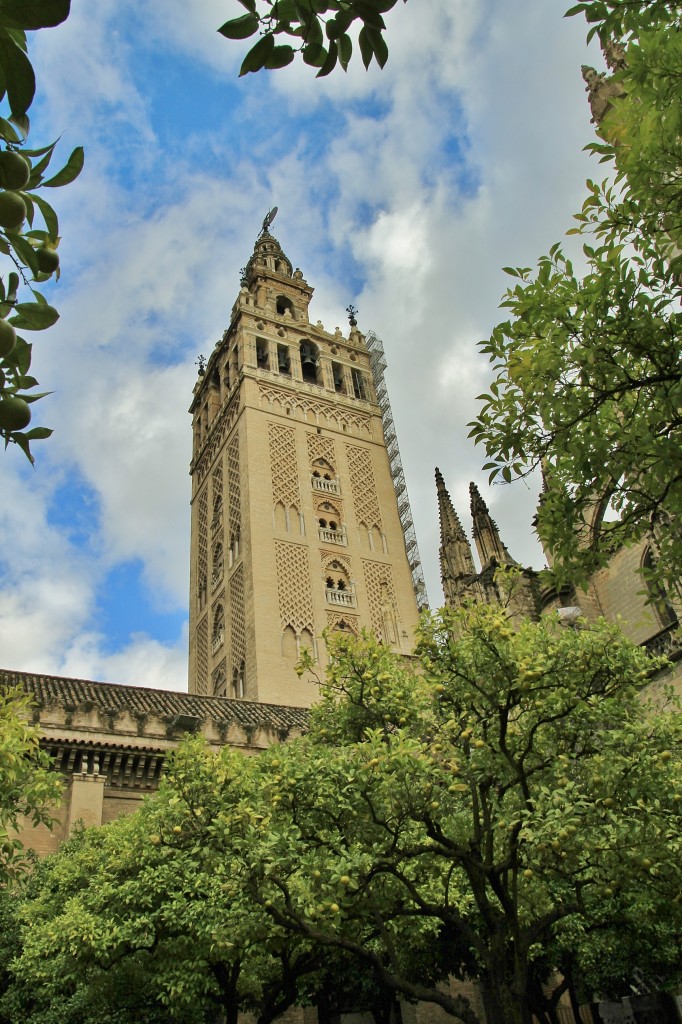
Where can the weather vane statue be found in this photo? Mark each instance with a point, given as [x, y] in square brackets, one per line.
[267, 221]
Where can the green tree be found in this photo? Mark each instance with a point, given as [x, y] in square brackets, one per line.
[27, 786]
[589, 364]
[29, 228]
[477, 812]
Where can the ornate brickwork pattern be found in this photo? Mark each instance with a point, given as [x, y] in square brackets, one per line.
[234, 514]
[219, 679]
[285, 486]
[202, 656]
[202, 560]
[217, 488]
[236, 621]
[323, 414]
[293, 586]
[363, 487]
[320, 447]
[216, 435]
[351, 622]
[380, 595]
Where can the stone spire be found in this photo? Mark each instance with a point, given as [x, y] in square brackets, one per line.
[456, 561]
[486, 533]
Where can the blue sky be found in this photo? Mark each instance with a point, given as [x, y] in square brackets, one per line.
[403, 191]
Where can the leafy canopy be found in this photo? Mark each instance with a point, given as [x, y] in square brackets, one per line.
[29, 227]
[589, 364]
[477, 812]
[27, 786]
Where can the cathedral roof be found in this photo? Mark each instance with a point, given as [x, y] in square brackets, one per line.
[140, 700]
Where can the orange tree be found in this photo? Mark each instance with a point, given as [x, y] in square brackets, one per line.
[29, 227]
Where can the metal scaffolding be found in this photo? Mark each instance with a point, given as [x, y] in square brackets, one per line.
[377, 362]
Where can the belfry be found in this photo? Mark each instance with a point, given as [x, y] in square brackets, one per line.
[296, 525]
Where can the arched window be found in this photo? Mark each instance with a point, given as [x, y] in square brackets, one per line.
[218, 632]
[284, 306]
[289, 645]
[310, 362]
[658, 599]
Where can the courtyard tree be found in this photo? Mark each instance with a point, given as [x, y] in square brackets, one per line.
[29, 227]
[28, 787]
[588, 366]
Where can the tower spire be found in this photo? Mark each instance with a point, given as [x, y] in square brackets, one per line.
[486, 533]
[456, 561]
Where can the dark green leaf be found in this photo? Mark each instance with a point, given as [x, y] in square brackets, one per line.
[330, 62]
[22, 123]
[33, 14]
[257, 55]
[38, 433]
[378, 45]
[369, 14]
[314, 54]
[345, 51]
[69, 171]
[18, 74]
[280, 57]
[42, 150]
[240, 28]
[366, 49]
[249, 4]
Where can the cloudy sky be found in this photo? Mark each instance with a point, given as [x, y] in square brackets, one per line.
[403, 191]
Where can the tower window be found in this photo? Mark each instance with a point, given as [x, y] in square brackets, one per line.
[262, 354]
[310, 362]
[283, 360]
[339, 382]
[284, 306]
[359, 383]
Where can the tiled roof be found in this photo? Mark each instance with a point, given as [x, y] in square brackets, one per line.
[140, 700]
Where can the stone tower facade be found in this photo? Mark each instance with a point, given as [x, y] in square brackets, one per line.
[295, 524]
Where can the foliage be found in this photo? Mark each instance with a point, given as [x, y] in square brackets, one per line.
[481, 811]
[27, 786]
[30, 247]
[150, 898]
[588, 367]
[320, 30]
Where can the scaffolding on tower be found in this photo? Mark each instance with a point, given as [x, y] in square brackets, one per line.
[377, 362]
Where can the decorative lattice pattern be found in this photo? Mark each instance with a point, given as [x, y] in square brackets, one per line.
[323, 414]
[233, 483]
[202, 655]
[285, 487]
[346, 623]
[320, 447]
[217, 434]
[202, 559]
[219, 680]
[293, 586]
[381, 600]
[216, 491]
[237, 630]
[363, 487]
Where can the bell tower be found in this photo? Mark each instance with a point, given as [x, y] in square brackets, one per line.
[295, 522]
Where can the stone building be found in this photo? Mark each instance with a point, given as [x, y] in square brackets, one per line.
[295, 520]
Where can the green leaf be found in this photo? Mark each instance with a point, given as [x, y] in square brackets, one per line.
[345, 51]
[38, 433]
[33, 14]
[49, 216]
[7, 132]
[69, 171]
[34, 316]
[314, 54]
[18, 73]
[257, 55]
[24, 251]
[366, 48]
[330, 62]
[240, 28]
[280, 57]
